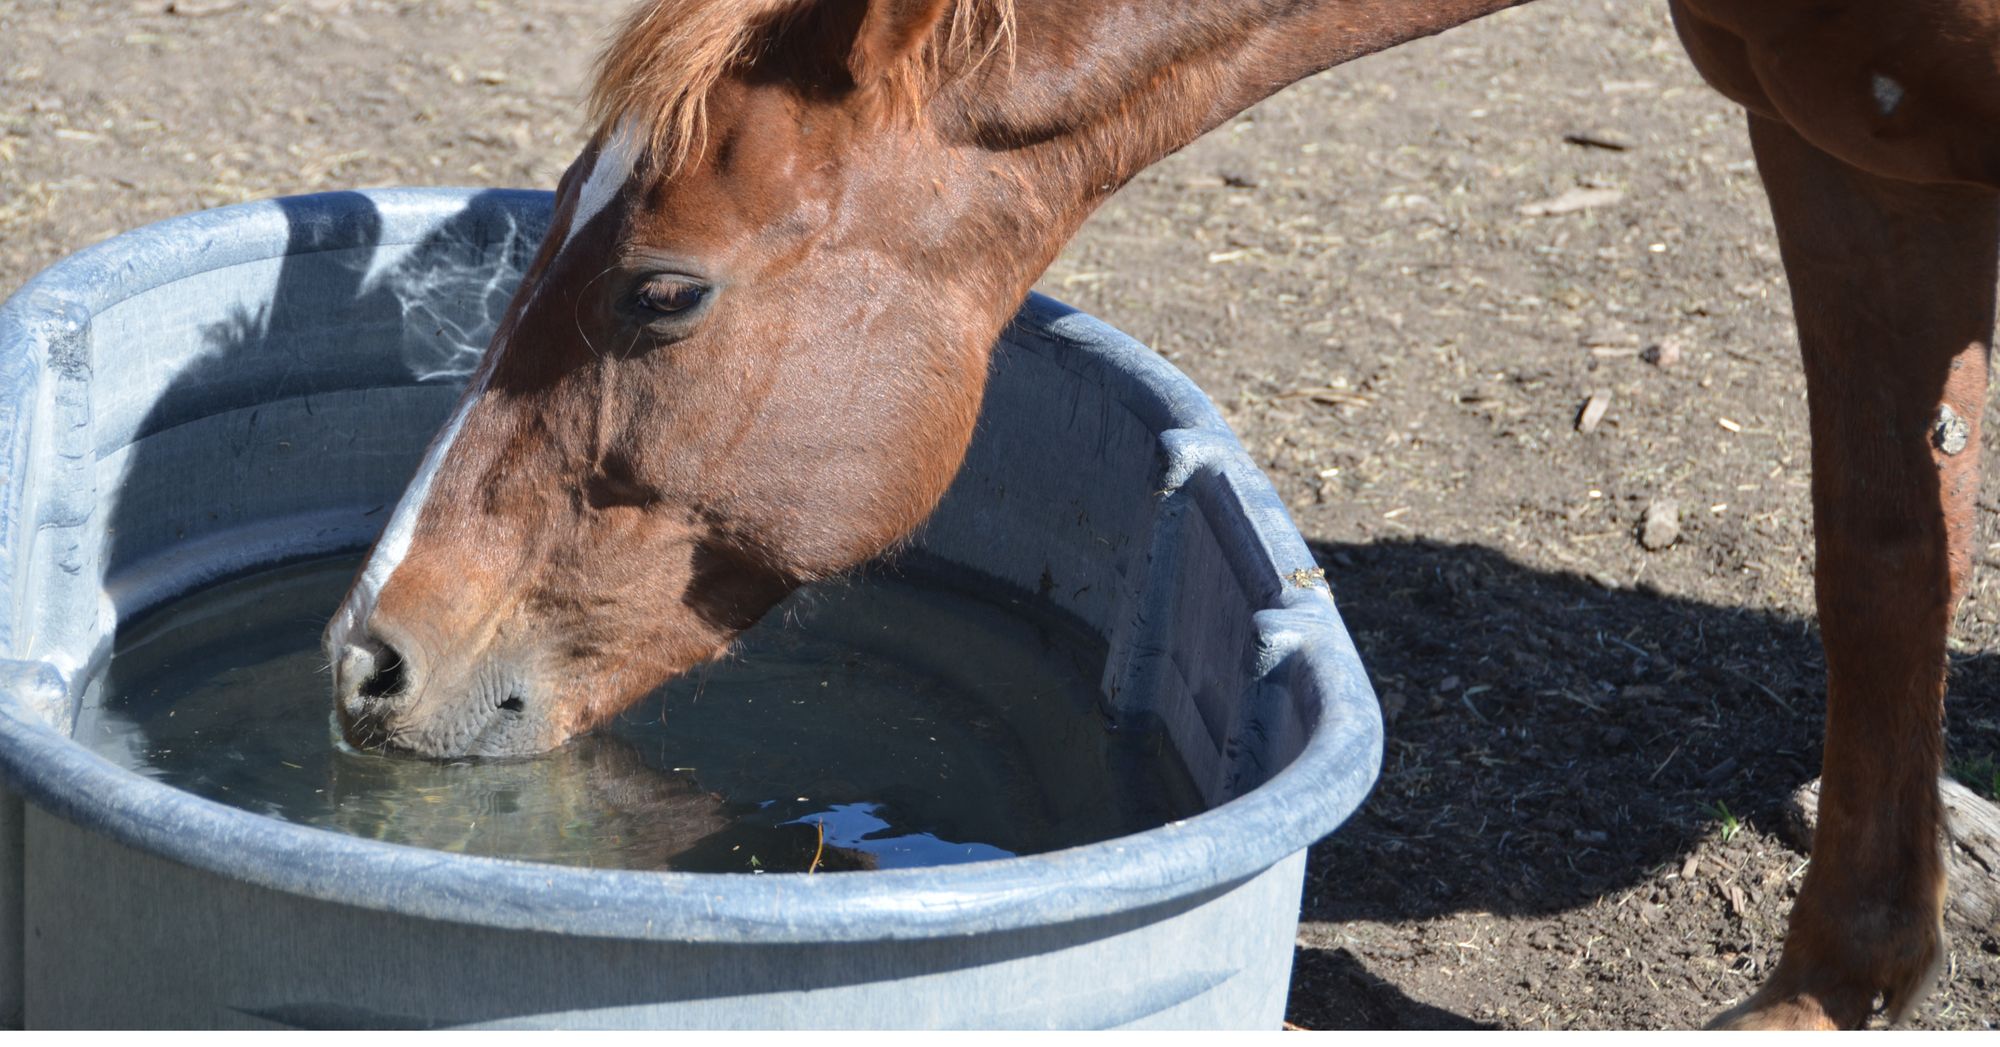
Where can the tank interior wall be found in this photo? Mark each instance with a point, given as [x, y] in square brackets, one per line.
[13, 895]
[1121, 511]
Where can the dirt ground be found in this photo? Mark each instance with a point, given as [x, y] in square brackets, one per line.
[1590, 743]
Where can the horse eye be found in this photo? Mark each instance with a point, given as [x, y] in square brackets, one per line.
[668, 296]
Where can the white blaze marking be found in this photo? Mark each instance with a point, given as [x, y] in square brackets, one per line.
[394, 544]
[608, 173]
[395, 541]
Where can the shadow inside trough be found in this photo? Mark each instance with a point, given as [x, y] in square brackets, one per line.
[1549, 740]
[317, 379]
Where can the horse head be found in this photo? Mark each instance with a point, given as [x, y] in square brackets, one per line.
[724, 375]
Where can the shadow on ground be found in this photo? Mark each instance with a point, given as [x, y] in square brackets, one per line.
[1333, 989]
[1551, 742]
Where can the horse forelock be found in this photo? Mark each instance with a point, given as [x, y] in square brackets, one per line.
[658, 71]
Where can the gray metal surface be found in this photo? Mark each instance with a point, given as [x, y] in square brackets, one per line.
[240, 387]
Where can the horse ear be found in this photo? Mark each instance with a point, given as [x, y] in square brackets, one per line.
[890, 31]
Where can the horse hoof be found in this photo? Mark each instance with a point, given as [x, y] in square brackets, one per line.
[1793, 1012]
[1824, 997]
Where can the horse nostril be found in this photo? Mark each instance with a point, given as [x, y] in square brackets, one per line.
[387, 679]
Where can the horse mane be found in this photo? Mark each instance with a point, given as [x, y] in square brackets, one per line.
[663, 62]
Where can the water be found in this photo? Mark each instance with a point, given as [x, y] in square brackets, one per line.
[870, 724]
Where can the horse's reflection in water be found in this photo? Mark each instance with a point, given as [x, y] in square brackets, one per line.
[595, 801]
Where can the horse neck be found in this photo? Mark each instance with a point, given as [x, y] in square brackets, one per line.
[1098, 90]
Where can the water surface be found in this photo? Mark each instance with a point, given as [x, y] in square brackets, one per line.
[875, 723]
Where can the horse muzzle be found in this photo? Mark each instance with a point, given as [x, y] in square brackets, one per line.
[387, 699]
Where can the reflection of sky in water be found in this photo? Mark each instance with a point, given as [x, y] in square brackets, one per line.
[850, 825]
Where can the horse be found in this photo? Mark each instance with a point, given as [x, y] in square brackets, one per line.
[751, 351]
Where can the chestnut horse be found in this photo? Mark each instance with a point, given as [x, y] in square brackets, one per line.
[752, 348]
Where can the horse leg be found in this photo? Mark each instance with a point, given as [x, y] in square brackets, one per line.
[1893, 289]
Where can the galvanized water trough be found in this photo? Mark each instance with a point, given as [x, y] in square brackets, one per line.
[243, 387]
